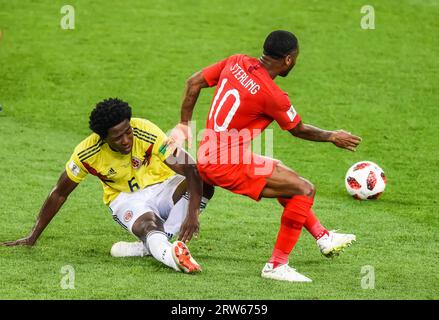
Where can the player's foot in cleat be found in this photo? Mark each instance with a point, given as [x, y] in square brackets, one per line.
[334, 243]
[129, 249]
[183, 258]
[283, 273]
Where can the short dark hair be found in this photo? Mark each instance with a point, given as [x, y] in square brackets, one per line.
[280, 43]
[107, 114]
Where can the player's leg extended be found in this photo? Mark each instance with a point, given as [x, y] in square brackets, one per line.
[149, 228]
[312, 223]
[179, 207]
[298, 196]
[330, 243]
[170, 200]
[171, 205]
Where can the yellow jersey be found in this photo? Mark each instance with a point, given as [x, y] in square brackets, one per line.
[117, 172]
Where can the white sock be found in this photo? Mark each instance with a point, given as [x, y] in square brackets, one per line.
[178, 214]
[160, 248]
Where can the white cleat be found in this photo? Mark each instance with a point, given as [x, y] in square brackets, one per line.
[129, 249]
[333, 244]
[283, 273]
[183, 258]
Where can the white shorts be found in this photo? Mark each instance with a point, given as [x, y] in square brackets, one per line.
[128, 207]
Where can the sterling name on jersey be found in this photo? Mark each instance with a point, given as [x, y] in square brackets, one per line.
[245, 102]
[117, 172]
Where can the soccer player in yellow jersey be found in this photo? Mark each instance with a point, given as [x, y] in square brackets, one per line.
[151, 187]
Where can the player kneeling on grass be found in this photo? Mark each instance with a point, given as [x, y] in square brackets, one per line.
[151, 188]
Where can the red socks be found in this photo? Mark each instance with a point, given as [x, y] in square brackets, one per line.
[312, 224]
[293, 218]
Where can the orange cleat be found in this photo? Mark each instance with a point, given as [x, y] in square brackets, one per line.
[183, 258]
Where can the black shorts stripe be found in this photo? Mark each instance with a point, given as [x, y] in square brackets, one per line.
[186, 196]
[119, 222]
[97, 145]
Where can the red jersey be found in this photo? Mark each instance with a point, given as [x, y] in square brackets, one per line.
[246, 101]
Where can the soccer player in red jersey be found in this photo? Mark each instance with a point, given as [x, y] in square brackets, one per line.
[245, 102]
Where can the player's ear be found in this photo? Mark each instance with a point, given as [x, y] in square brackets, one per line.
[291, 59]
[288, 60]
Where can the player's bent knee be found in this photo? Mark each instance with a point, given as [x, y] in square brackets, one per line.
[308, 190]
[147, 223]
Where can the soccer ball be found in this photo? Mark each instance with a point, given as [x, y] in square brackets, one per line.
[365, 180]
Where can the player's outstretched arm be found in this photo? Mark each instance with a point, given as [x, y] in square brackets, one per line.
[340, 138]
[181, 162]
[182, 130]
[50, 208]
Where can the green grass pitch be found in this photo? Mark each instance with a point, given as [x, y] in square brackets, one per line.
[381, 84]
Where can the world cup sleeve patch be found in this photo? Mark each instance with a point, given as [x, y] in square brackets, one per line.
[163, 148]
[291, 113]
[74, 168]
[169, 144]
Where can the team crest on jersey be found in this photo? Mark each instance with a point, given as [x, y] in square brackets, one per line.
[136, 163]
[128, 216]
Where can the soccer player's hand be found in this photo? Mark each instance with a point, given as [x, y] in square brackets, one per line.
[181, 133]
[345, 140]
[189, 228]
[20, 242]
